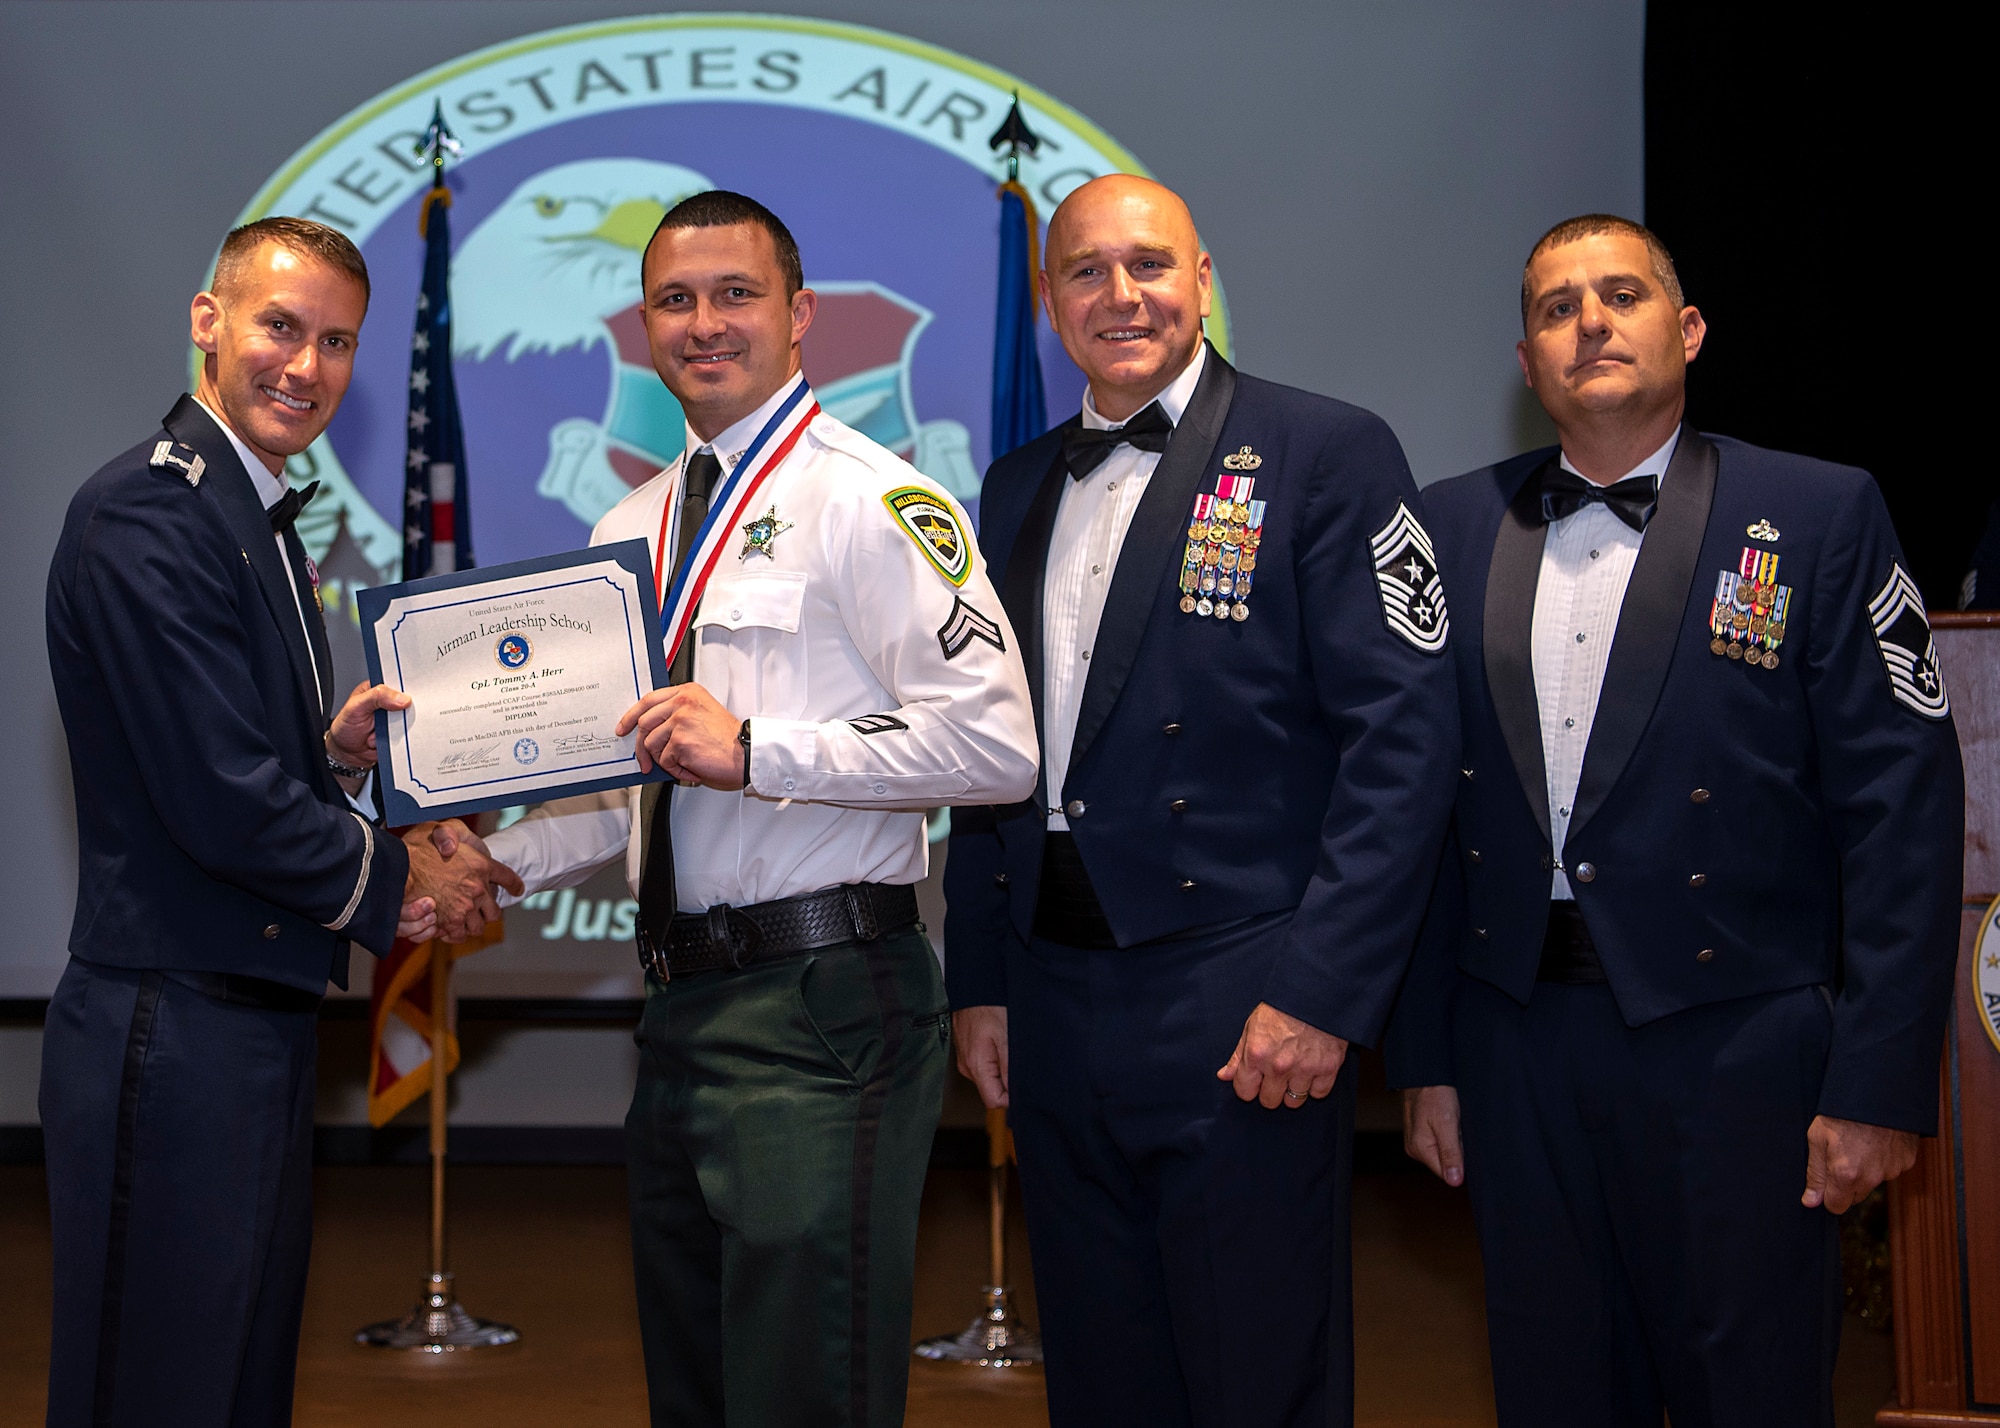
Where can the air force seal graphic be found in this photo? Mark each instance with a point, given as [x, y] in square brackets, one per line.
[576, 141]
[513, 651]
[1986, 972]
[526, 751]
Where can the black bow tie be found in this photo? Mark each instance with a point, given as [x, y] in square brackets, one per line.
[288, 507]
[1632, 500]
[1085, 448]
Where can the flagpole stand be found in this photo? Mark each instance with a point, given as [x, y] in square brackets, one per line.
[438, 1324]
[999, 1338]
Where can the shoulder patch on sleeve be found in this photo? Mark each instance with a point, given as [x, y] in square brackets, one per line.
[1412, 594]
[876, 724]
[929, 520]
[168, 453]
[964, 625]
[1903, 634]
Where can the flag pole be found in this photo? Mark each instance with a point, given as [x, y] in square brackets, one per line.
[999, 1338]
[440, 1109]
[438, 1323]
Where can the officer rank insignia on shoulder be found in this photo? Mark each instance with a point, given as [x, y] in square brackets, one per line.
[1746, 621]
[1407, 573]
[166, 453]
[964, 625]
[1220, 563]
[929, 520]
[1903, 633]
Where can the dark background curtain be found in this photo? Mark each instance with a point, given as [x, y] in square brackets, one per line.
[1802, 167]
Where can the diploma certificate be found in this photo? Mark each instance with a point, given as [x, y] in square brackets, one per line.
[517, 674]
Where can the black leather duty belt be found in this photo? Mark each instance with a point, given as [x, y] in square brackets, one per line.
[1569, 956]
[729, 938]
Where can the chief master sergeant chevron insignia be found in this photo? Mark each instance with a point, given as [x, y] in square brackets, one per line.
[1412, 594]
[964, 625]
[1904, 636]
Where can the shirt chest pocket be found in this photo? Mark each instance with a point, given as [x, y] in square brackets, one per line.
[751, 652]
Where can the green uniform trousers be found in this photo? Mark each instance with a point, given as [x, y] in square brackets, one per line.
[777, 1143]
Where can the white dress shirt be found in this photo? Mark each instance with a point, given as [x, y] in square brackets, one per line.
[845, 618]
[1587, 561]
[270, 490]
[1092, 518]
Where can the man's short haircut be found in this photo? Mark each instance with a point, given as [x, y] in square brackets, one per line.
[1592, 225]
[302, 236]
[719, 208]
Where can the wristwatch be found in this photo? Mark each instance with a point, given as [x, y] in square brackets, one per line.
[344, 770]
[743, 738]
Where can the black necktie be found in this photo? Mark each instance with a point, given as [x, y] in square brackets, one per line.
[1085, 448]
[1632, 500]
[288, 506]
[658, 900]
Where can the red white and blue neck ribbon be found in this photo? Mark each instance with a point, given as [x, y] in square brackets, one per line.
[763, 456]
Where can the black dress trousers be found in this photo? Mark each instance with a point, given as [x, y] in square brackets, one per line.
[1636, 1191]
[179, 1135]
[1191, 1251]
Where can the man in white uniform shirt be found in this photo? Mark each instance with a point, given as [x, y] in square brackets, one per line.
[1688, 959]
[847, 666]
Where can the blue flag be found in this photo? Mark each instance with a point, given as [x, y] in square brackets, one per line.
[437, 523]
[1020, 410]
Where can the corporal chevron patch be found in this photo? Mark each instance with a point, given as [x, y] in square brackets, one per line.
[964, 625]
[876, 724]
[1903, 634]
[1412, 594]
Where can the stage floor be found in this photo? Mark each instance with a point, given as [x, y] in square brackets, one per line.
[545, 1249]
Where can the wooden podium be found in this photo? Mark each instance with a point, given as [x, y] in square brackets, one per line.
[1944, 1213]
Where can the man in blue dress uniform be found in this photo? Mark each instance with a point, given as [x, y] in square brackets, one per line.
[1681, 992]
[1235, 638]
[226, 858]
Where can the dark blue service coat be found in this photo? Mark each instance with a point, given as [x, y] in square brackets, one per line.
[1736, 830]
[1301, 759]
[210, 834]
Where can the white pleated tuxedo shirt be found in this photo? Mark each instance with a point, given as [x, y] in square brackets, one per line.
[1091, 521]
[1587, 562]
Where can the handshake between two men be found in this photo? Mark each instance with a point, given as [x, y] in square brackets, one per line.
[452, 883]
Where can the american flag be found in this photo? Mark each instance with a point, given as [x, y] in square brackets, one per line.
[437, 524]
[437, 539]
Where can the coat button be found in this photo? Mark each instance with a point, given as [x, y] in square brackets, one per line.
[1466, 772]
[1480, 933]
[1171, 729]
[1698, 880]
[999, 880]
[1472, 853]
[1707, 954]
[1074, 808]
[1586, 872]
[1179, 805]
[1700, 795]
[1186, 884]
[271, 933]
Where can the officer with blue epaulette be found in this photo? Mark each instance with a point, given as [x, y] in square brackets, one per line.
[1682, 988]
[227, 857]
